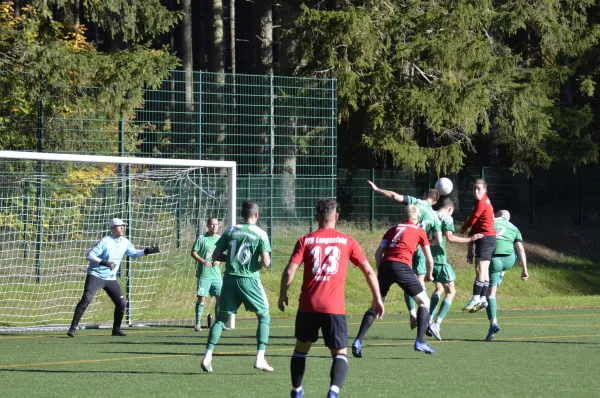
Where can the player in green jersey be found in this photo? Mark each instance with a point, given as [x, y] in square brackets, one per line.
[241, 247]
[430, 223]
[443, 274]
[507, 238]
[208, 272]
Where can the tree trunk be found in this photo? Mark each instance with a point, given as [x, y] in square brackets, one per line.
[264, 51]
[217, 65]
[264, 10]
[187, 58]
[232, 34]
[77, 13]
[17, 7]
[187, 61]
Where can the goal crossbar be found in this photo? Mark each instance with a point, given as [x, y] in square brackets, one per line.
[53, 157]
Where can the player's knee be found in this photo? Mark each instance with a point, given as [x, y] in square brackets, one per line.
[121, 304]
[264, 318]
[86, 299]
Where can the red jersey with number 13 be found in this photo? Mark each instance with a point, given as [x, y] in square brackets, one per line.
[401, 242]
[325, 254]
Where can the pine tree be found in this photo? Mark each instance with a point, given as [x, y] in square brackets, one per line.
[419, 80]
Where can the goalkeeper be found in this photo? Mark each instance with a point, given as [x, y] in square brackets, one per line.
[105, 258]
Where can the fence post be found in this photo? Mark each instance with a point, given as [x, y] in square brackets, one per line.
[123, 187]
[40, 190]
[482, 173]
[248, 186]
[333, 137]
[372, 200]
[129, 220]
[199, 149]
[272, 162]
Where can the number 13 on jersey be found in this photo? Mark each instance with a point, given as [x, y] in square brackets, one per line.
[323, 268]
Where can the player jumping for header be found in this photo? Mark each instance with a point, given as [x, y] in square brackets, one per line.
[430, 223]
[393, 257]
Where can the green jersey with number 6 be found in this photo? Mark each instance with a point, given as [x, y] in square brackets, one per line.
[439, 251]
[506, 236]
[243, 244]
[427, 216]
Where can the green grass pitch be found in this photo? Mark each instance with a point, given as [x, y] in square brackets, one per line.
[538, 353]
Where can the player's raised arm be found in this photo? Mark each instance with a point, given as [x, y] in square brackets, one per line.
[371, 279]
[523, 257]
[388, 194]
[286, 280]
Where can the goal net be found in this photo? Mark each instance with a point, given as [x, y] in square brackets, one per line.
[55, 207]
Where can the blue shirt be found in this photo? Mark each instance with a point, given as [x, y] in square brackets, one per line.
[109, 249]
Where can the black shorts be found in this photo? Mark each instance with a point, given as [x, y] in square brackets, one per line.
[391, 272]
[484, 247]
[333, 326]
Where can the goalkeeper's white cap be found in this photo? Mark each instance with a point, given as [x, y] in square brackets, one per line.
[115, 222]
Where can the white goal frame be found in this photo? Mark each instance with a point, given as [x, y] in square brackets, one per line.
[230, 166]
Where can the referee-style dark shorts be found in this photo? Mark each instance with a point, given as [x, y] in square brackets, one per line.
[484, 247]
[391, 272]
[333, 326]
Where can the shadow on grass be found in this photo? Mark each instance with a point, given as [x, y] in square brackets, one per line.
[219, 354]
[529, 341]
[199, 343]
[129, 372]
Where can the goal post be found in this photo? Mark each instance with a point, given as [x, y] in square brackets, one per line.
[55, 207]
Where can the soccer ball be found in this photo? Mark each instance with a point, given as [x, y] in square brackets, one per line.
[444, 186]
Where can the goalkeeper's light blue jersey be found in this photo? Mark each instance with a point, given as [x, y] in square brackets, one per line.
[109, 249]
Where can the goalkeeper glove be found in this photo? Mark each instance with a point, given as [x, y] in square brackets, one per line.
[108, 264]
[151, 250]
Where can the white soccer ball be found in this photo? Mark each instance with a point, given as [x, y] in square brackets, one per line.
[444, 186]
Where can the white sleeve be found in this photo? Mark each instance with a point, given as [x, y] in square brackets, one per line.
[92, 257]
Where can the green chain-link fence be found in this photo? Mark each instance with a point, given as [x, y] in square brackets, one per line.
[556, 196]
[281, 131]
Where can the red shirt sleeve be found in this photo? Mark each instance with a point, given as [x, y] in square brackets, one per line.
[480, 206]
[356, 254]
[423, 240]
[298, 253]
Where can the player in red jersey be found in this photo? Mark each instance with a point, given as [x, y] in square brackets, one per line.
[325, 254]
[394, 265]
[480, 222]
